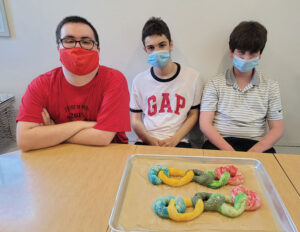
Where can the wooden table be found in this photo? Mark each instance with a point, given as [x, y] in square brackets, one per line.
[291, 165]
[64, 188]
[73, 187]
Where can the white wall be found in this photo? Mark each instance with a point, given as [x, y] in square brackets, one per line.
[199, 28]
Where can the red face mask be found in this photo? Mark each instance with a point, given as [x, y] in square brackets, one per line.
[78, 60]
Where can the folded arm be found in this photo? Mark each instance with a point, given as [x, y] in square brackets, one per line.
[206, 126]
[276, 130]
[32, 135]
[86, 136]
[92, 136]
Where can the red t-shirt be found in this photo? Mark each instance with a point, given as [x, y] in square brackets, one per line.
[104, 99]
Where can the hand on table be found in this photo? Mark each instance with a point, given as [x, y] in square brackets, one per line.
[153, 141]
[170, 142]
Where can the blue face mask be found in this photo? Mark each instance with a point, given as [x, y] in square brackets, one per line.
[243, 65]
[159, 59]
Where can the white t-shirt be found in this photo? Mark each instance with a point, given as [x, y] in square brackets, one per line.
[165, 103]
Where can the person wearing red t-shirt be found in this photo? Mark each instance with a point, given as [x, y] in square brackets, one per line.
[81, 102]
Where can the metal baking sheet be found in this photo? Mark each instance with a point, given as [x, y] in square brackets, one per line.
[279, 211]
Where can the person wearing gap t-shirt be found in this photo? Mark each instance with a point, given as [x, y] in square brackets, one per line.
[81, 102]
[165, 98]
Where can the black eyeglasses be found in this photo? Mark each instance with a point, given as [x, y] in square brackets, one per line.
[84, 43]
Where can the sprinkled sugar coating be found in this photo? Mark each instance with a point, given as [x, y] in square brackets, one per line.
[212, 202]
[160, 205]
[218, 202]
[174, 208]
[153, 172]
[202, 178]
[236, 177]
[208, 178]
[253, 199]
[182, 217]
[159, 174]
[238, 207]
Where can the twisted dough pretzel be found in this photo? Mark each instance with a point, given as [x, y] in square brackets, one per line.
[153, 172]
[222, 204]
[160, 205]
[174, 208]
[209, 178]
[236, 177]
[159, 174]
[181, 217]
[253, 199]
[187, 177]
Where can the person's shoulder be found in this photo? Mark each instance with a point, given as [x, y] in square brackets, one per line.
[190, 70]
[221, 75]
[217, 81]
[141, 77]
[265, 80]
[110, 78]
[111, 73]
[219, 78]
[47, 78]
[189, 73]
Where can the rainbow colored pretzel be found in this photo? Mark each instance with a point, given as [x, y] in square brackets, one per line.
[222, 204]
[159, 174]
[174, 208]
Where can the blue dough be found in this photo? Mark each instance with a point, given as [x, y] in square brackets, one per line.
[153, 172]
[160, 205]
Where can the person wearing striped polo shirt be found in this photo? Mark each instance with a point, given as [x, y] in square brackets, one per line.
[237, 105]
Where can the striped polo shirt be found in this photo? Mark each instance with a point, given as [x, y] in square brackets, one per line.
[242, 113]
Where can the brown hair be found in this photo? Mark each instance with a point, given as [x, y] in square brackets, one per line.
[248, 36]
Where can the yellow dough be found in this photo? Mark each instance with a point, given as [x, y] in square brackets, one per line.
[186, 177]
[182, 217]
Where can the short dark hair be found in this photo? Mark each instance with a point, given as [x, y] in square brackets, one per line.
[248, 36]
[155, 26]
[75, 19]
